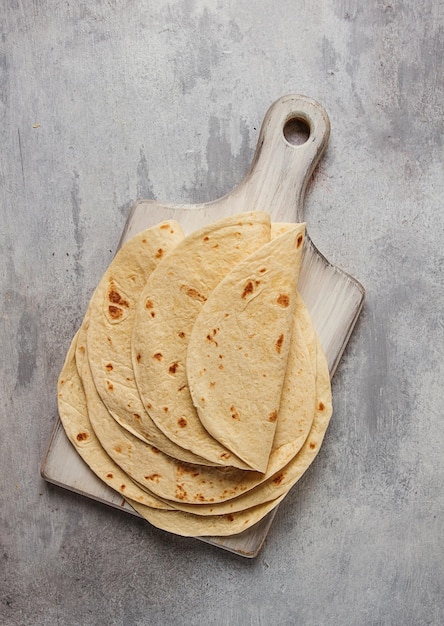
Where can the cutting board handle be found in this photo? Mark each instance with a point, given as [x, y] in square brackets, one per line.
[280, 170]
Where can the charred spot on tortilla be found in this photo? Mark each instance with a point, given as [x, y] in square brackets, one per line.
[173, 367]
[193, 293]
[82, 437]
[115, 312]
[279, 342]
[234, 413]
[272, 417]
[283, 300]
[247, 289]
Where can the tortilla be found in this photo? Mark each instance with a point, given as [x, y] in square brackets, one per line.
[170, 302]
[189, 525]
[186, 483]
[201, 498]
[111, 318]
[239, 345]
[74, 417]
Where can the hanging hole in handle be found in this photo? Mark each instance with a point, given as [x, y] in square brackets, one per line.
[296, 131]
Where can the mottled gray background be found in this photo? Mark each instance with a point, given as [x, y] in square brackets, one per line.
[103, 102]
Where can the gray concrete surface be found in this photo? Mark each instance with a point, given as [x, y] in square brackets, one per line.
[104, 102]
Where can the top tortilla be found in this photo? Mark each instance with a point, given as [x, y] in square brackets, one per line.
[239, 346]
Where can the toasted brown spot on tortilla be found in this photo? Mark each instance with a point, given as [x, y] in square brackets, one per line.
[225, 455]
[149, 304]
[181, 334]
[154, 477]
[272, 417]
[159, 253]
[262, 270]
[220, 366]
[206, 238]
[226, 315]
[165, 409]
[110, 340]
[138, 357]
[247, 289]
[110, 475]
[109, 385]
[193, 293]
[312, 445]
[181, 388]
[158, 356]
[279, 478]
[283, 300]
[118, 449]
[230, 517]
[115, 312]
[115, 297]
[173, 367]
[82, 436]
[234, 413]
[299, 241]
[211, 339]
[321, 406]
[136, 416]
[122, 487]
[109, 367]
[165, 226]
[279, 342]
[181, 494]
[182, 422]
[149, 405]
[212, 385]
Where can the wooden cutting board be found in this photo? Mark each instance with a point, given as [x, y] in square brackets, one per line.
[293, 136]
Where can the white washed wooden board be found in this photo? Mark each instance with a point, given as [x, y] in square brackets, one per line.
[275, 183]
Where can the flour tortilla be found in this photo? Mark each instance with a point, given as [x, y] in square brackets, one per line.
[74, 417]
[111, 318]
[239, 346]
[296, 412]
[181, 482]
[189, 525]
[170, 302]
[280, 482]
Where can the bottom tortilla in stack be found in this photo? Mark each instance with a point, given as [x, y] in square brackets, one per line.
[206, 500]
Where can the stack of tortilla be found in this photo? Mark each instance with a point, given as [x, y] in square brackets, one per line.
[196, 385]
